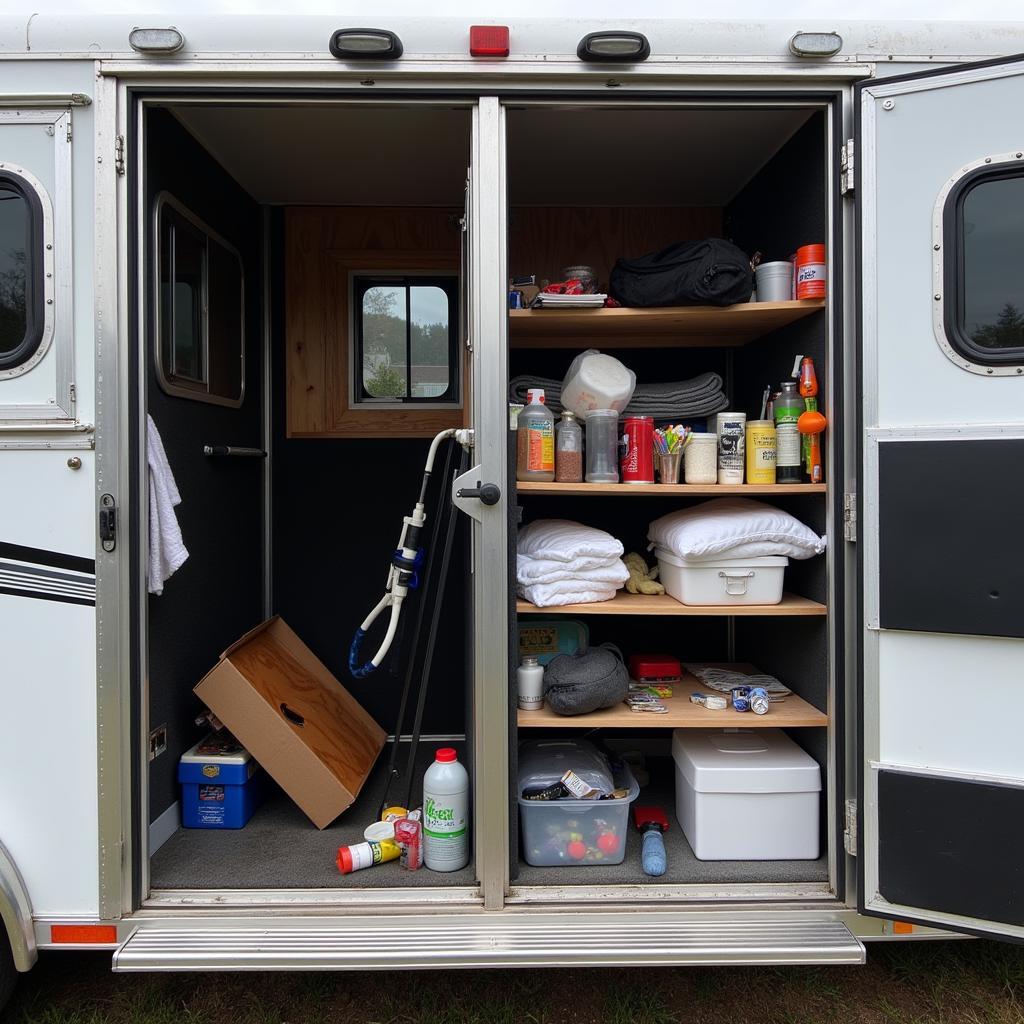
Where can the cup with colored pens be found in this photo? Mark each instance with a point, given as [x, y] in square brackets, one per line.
[669, 443]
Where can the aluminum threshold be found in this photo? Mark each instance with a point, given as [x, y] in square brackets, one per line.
[488, 940]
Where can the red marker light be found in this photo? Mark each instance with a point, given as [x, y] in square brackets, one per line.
[488, 40]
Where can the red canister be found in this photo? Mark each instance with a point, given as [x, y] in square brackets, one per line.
[810, 272]
[638, 450]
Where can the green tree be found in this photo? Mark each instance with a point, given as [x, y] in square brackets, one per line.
[1006, 332]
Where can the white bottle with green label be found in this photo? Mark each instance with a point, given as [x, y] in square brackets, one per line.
[446, 813]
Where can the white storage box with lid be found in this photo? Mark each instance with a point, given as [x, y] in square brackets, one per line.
[746, 794]
[722, 580]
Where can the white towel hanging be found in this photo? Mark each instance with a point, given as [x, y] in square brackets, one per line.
[167, 552]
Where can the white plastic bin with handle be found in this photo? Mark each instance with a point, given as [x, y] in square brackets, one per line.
[722, 580]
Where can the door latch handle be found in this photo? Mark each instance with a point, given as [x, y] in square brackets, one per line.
[489, 494]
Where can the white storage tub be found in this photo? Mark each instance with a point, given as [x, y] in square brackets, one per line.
[722, 580]
[746, 794]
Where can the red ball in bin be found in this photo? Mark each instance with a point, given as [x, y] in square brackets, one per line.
[608, 842]
[577, 849]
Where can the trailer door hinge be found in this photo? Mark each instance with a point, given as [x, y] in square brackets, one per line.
[850, 517]
[119, 155]
[846, 179]
[850, 831]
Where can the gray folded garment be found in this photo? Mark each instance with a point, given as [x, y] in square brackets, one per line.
[677, 400]
[576, 684]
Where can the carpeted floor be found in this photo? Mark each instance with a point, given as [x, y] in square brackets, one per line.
[281, 849]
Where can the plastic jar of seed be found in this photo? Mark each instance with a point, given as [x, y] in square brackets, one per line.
[568, 450]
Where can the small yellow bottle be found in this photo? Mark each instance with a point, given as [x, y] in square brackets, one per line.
[760, 452]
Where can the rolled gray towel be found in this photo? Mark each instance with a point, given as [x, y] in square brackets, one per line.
[678, 400]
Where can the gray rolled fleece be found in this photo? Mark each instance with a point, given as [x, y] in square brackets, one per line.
[576, 684]
[676, 400]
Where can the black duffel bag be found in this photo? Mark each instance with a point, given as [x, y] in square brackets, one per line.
[712, 272]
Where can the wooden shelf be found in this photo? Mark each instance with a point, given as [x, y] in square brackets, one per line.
[586, 490]
[676, 326]
[791, 713]
[662, 604]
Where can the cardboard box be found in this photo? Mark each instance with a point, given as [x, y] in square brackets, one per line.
[306, 730]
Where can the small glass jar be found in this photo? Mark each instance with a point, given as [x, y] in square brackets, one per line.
[700, 459]
[568, 450]
[602, 446]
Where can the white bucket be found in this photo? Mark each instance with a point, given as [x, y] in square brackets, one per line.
[774, 281]
[597, 381]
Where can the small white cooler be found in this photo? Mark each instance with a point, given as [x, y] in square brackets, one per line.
[722, 580]
[746, 794]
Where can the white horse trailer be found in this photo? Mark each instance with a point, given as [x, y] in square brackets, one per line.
[191, 219]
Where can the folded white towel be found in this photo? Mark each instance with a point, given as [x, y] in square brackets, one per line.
[562, 540]
[593, 570]
[545, 595]
[167, 552]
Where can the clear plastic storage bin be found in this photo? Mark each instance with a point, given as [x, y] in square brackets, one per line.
[562, 833]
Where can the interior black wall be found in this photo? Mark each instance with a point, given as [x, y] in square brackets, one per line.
[337, 514]
[216, 595]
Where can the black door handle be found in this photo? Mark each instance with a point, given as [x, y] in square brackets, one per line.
[489, 494]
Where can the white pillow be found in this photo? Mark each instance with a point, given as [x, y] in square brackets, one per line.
[562, 540]
[734, 528]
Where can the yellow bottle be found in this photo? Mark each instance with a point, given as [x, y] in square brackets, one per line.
[760, 452]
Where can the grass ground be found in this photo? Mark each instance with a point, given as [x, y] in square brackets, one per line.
[905, 983]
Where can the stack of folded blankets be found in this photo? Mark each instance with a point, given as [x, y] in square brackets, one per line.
[560, 562]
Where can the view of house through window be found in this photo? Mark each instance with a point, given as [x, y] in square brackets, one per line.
[404, 332]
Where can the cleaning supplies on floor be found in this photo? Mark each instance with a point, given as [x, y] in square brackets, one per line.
[675, 400]
[561, 562]
[366, 855]
[446, 813]
[221, 784]
[167, 551]
[576, 684]
[535, 440]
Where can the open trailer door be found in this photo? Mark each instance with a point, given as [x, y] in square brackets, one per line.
[941, 197]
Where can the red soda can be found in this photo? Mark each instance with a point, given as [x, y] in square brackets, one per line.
[638, 450]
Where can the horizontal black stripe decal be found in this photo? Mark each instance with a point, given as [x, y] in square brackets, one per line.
[38, 572]
[20, 553]
[42, 596]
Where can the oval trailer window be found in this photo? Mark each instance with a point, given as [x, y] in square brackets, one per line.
[21, 294]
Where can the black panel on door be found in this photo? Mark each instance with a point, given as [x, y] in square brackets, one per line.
[951, 536]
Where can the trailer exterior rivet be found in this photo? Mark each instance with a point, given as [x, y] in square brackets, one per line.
[936, 246]
[938, 297]
[1019, 155]
[988, 159]
[888, 104]
[74, 462]
[49, 302]
[49, 245]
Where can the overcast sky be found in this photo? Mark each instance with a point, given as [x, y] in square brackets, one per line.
[819, 10]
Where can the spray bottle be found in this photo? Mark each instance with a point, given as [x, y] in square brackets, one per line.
[809, 392]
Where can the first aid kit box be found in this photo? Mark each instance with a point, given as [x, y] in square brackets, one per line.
[221, 785]
[746, 794]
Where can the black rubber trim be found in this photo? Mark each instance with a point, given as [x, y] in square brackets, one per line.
[40, 556]
[953, 276]
[35, 310]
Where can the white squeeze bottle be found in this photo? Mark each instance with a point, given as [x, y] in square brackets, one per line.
[446, 813]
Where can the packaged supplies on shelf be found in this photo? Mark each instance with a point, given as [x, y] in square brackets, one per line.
[544, 639]
[724, 679]
[597, 381]
[722, 580]
[565, 833]
[221, 784]
[674, 400]
[576, 684]
[746, 794]
[733, 528]
[709, 272]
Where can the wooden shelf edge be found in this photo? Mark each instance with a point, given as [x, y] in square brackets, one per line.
[662, 604]
[792, 713]
[585, 490]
